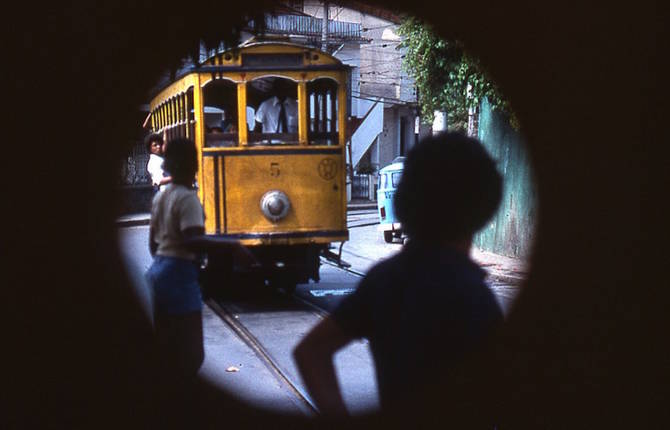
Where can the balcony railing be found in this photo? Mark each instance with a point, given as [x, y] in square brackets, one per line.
[310, 26]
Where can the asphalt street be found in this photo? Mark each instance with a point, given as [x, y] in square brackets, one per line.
[279, 322]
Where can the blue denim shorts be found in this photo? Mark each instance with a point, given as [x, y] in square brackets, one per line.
[174, 283]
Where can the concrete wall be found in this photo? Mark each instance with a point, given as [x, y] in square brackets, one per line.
[512, 230]
[388, 138]
[366, 133]
[389, 141]
[408, 117]
[350, 55]
[380, 71]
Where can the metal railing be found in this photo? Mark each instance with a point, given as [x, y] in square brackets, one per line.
[133, 169]
[310, 26]
[360, 187]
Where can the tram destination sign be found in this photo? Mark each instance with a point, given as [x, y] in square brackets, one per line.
[271, 60]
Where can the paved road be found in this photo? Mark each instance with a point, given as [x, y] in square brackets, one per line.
[278, 323]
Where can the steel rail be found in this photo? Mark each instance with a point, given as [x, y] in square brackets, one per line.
[363, 225]
[354, 272]
[253, 343]
[321, 313]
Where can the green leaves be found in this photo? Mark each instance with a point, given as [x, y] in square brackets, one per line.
[446, 76]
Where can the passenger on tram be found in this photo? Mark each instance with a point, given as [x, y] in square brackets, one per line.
[427, 309]
[279, 113]
[228, 123]
[218, 137]
[155, 144]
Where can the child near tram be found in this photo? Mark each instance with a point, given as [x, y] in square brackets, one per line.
[176, 236]
[427, 308]
[154, 143]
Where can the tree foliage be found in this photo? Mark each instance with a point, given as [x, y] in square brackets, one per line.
[447, 77]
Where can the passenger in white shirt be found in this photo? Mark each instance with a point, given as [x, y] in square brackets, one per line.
[269, 115]
[154, 144]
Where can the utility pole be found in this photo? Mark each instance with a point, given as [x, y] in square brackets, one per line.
[473, 116]
[440, 122]
[324, 27]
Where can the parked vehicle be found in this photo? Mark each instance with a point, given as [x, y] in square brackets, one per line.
[389, 178]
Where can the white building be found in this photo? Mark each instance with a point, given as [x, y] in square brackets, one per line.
[376, 75]
[382, 108]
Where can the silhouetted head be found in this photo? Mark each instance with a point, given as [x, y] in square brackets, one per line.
[449, 189]
[181, 161]
[154, 143]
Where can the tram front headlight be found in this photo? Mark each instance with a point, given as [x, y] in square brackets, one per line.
[275, 205]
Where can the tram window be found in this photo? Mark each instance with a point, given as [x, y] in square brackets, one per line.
[220, 109]
[322, 108]
[274, 101]
[395, 178]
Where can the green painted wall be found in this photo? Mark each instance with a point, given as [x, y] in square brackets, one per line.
[511, 231]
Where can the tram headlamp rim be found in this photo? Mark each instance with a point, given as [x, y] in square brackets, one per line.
[272, 196]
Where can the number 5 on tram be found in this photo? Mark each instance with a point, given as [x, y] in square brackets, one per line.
[268, 121]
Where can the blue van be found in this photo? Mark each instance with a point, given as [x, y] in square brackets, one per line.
[389, 178]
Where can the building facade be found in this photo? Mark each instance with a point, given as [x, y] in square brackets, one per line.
[377, 76]
[382, 104]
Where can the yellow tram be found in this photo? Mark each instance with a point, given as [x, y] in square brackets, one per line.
[268, 120]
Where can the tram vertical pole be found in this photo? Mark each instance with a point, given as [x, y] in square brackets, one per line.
[199, 138]
[303, 116]
[242, 112]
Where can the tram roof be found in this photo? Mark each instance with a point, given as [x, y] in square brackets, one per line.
[229, 57]
[252, 45]
[229, 60]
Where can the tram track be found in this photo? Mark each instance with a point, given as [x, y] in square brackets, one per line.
[245, 335]
[241, 317]
[364, 218]
[345, 269]
[235, 314]
[363, 225]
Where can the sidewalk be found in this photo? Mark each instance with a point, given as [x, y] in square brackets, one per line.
[133, 219]
[507, 270]
[366, 247]
[357, 204]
